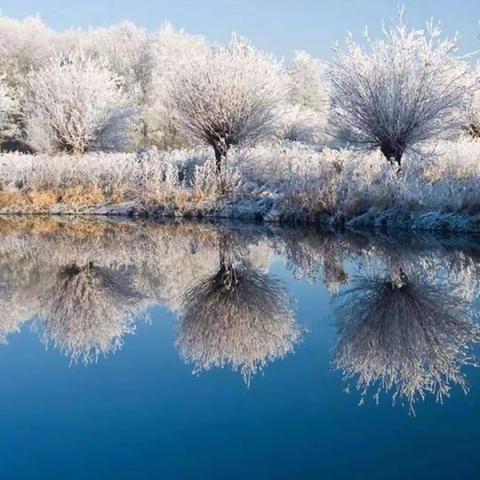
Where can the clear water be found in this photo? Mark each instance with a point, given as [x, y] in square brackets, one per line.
[112, 365]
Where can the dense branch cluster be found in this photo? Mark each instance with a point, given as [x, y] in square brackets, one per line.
[74, 104]
[404, 335]
[399, 91]
[228, 96]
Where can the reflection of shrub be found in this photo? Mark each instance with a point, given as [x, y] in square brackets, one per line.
[87, 310]
[405, 336]
[238, 317]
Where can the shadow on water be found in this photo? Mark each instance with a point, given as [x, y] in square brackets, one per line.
[404, 312]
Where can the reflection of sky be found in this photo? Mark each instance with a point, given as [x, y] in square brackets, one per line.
[277, 25]
[142, 414]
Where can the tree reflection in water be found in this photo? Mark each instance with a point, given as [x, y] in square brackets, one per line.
[87, 310]
[405, 335]
[238, 317]
[86, 283]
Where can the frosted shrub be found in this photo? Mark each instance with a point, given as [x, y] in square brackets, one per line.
[207, 181]
[228, 96]
[399, 91]
[301, 125]
[307, 182]
[74, 104]
[127, 50]
[304, 118]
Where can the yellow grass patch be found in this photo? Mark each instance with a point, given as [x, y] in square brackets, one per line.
[42, 200]
[82, 196]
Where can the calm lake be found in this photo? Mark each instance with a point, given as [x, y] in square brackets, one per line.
[138, 350]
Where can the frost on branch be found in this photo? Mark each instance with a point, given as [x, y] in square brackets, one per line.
[171, 48]
[25, 46]
[399, 91]
[74, 104]
[127, 50]
[228, 96]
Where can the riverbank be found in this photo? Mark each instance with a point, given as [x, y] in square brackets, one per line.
[437, 189]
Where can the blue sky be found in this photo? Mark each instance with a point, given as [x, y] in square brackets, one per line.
[277, 25]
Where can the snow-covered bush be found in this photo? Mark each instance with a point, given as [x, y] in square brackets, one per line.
[398, 92]
[127, 50]
[74, 105]
[304, 117]
[228, 96]
[297, 124]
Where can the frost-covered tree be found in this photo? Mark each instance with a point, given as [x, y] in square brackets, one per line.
[25, 46]
[74, 104]
[399, 91]
[171, 48]
[228, 96]
[304, 117]
[127, 51]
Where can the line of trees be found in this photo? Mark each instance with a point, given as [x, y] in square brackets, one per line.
[123, 88]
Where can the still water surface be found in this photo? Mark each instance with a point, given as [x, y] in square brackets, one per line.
[199, 351]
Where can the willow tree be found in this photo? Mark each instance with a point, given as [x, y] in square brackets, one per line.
[228, 95]
[397, 92]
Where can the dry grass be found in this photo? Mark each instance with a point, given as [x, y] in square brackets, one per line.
[82, 196]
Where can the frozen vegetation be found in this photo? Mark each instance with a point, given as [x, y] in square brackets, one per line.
[124, 121]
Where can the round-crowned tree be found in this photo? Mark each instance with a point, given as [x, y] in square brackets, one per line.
[399, 91]
[228, 95]
[76, 104]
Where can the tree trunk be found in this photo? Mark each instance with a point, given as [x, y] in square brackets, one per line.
[220, 165]
[398, 159]
[393, 155]
[219, 156]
